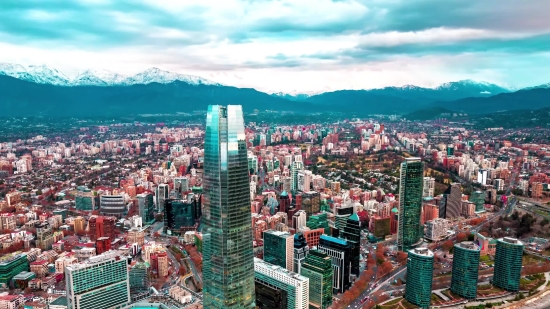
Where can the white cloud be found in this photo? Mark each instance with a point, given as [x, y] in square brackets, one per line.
[256, 43]
[433, 36]
[43, 16]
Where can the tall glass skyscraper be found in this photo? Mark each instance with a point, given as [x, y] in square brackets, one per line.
[227, 226]
[465, 269]
[420, 267]
[508, 260]
[409, 232]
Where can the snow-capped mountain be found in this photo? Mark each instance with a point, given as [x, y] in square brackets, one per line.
[294, 96]
[40, 74]
[98, 78]
[45, 75]
[446, 91]
[484, 88]
[155, 75]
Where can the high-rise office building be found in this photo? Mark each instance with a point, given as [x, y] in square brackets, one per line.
[301, 249]
[352, 233]
[299, 220]
[100, 282]
[181, 185]
[269, 296]
[252, 163]
[146, 206]
[420, 267]
[279, 249]
[180, 215]
[340, 252]
[284, 202]
[478, 198]
[508, 259]
[295, 285]
[465, 269]
[294, 168]
[162, 192]
[227, 227]
[451, 204]
[482, 176]
[409, 232]
[311, 202]
[318, 268]
[138, 278]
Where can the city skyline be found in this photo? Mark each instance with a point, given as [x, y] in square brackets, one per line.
[231, 225]
[288, 46]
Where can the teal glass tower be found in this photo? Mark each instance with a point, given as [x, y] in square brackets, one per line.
[100, 282]
[465, 269]
[508, 259]
[318, 268]
[409, 233]
[420, 269]
[478, 198]
[227, 225]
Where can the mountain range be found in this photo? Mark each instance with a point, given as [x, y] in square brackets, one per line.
[40, 90]
[42, 74]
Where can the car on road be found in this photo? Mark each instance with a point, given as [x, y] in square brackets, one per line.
[364, 299]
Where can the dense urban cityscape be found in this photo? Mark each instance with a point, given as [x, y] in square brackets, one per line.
[355, 213]
[274, 154]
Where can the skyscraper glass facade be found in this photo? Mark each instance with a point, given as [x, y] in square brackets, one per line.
[451, 204]
[146, 206]
[318, 268]
[478, 198]
[227, 228]
[352, 233]
[100, 282]
[410, 204]
[465, 269]
[340, 252]
[301, 250]
[295, 285]
[420, 268]
[179, 213]
[279, 248]
[508, 259]
[11, 265]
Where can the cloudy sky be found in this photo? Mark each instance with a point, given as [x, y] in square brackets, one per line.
[290, 46]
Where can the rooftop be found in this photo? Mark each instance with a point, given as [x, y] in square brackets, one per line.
[422, 252]
[334, 239]
[278, 233]
[511, 240]
[265, 265]
[468, 245]
[61, 301]
[107, 256]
